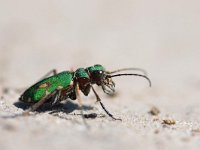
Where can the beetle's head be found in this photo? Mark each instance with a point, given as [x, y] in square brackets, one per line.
[98, 75]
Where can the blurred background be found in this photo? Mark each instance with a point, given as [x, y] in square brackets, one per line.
[161, 37]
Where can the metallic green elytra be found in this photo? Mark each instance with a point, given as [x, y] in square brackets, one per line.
[36, 92]
[67, 84]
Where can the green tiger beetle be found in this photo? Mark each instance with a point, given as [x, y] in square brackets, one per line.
[68, 84]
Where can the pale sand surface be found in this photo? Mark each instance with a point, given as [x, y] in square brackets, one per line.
[161, 37]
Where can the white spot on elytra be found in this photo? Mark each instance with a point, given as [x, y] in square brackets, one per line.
[71, 83]
[43, 85]
[59, 87]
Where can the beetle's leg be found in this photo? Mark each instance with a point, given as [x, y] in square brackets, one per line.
[102, 105]
[62, 94]
[19, 90]
[77, 89]
[56, 99]
[39, 103]
[53, 71]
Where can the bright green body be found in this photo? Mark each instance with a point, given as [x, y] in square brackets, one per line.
[59, 82]
[46, 86]
[67, 84]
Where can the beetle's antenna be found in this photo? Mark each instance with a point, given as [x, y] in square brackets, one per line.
[130, 74]
[129, 69]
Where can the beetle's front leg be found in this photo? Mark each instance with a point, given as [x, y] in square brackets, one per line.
[102, 105]
[53, 71]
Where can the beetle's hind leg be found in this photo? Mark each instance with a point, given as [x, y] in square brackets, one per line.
[39, 103]
[102, 105]
[20, 90]
[53, 71]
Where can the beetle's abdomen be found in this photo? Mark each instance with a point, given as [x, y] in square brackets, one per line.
[46, 86]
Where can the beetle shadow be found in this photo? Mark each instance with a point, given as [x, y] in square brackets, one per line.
[66, 107]
[21, 105]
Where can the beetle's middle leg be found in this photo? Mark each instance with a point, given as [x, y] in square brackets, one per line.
[20, 90]
[77, 89]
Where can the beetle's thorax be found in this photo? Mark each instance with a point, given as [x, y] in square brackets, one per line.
[82, 78]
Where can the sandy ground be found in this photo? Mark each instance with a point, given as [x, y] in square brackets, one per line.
[161, 37]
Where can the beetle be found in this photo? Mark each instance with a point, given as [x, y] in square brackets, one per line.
[68, 84]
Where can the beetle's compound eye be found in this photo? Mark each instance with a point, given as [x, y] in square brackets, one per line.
[97, 76]
[96, 73]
